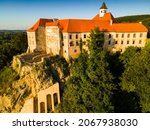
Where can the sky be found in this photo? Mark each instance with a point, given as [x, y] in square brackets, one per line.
[22, 14]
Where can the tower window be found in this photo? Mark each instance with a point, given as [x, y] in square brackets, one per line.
[109, 42]
[75, 50]
[128, 35]
[116, 42]
[127, 42]
[134, 35]
[141, 35]
[140, 42]
[84, 36]
[121, 42]
[122, 35]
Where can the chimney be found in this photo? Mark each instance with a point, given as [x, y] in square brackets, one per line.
[55, 19]
[111, 22]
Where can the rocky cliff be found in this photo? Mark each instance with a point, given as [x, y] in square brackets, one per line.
[33, 77]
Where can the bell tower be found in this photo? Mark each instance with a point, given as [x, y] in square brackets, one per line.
[103, 10]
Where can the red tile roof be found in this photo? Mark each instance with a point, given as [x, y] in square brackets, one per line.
[40, 22]
[128, 27]
[80, 25]
[107, 17]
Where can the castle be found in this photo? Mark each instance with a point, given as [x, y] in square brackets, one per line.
[61, 37]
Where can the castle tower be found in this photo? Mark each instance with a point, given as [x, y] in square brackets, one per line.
[103, 9]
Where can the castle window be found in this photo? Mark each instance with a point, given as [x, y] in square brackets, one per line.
[133, 42]
[109, 42]
[76, 36]
[116, 42]
[134, 35]
[122, 35]
[127, 42]
[128, 35]
[77, 43]
[140, 42]
[62, 44]
[117, 35]
[75, 50]
[109, 35]
[121, 42]
[141, 35]
[84, 36]
[70, 36]
[71, 43]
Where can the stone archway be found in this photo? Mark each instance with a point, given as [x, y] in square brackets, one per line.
[55, 97]
[49, 103]
[42, 107]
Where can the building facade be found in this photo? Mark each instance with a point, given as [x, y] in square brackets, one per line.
[62, 37]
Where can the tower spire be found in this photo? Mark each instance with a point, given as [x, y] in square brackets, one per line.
[103, 10]
[103, 6]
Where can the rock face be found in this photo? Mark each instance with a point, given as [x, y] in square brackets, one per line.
[38, 73]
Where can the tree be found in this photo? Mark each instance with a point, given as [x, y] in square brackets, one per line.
[90, 84]
[129, 53]
[136, 77]
[123, 101]
[96, 41]
[11, 44]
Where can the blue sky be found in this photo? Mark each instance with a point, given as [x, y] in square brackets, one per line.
[22, 14]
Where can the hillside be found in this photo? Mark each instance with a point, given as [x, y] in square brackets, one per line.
[145, 19]
[12, 30]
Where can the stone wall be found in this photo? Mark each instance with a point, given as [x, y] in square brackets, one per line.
[28, 106]
[120, 41]
[53, 40]
[71, 46]
[31, 42]
[41, 39]
[45, 102]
